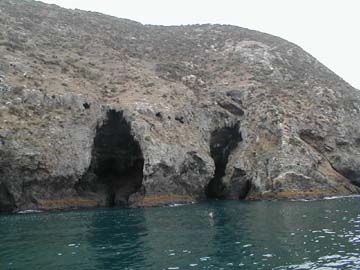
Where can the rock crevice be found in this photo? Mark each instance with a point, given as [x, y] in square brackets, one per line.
[222, 142]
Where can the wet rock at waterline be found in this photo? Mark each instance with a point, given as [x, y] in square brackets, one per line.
[100, 111]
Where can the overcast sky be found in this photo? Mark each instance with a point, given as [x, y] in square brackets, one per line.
[328, 29]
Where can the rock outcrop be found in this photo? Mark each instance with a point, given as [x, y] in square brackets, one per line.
[101, 111]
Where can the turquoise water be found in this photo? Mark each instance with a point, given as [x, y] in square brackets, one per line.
[241, 235]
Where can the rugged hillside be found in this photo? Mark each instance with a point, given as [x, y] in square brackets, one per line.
[101, 111]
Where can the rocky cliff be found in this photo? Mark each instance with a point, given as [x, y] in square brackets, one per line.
[101, 111]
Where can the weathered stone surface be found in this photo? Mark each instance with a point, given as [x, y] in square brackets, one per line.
[98, 111]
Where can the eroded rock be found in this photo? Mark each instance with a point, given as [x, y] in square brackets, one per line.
[99, 111]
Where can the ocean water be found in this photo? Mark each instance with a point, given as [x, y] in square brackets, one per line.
[241, 235]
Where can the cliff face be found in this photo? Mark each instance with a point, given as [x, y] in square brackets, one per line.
[100, 111]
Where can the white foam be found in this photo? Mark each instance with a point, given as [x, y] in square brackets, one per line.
[29, 211]
[268, 255]
[176, 204]
[326, 198]
[340, 197]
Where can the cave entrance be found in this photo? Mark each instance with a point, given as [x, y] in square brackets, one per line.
[7, 203]
[116, 170]
[222, 142]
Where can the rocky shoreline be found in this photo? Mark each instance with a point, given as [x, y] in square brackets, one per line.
[98, 111]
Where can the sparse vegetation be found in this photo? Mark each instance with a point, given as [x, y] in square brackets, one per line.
[62, 71]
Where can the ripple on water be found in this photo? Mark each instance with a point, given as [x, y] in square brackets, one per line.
[313, 235]
[330, 262]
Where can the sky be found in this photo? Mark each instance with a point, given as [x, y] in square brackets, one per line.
[327, 29]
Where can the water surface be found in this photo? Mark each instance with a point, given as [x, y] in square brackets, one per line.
[241, 235]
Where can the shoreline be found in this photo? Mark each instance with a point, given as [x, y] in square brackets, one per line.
[171, 205]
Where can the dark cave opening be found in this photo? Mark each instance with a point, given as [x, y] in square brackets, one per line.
[352, 175]
[222, 142]
[7, 203]
[86, 106]
[116, 170]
